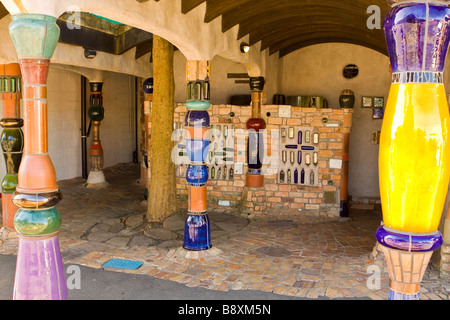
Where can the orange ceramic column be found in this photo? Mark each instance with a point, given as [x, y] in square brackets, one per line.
[255, 145]
[12, 137]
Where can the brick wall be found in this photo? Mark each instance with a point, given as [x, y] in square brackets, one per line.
[274, 198]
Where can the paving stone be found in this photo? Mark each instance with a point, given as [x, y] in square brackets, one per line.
[129, 232]
[274, 251]
[119, 241]
[116, 227]
[100, 236]
[99, 227]
[161, 234]
[232, 224]
[218, 217]
[170, 244]
[281, 223]
[134, 221]
[141, 240]
[174, 222]
[219, 233]
[72, 253]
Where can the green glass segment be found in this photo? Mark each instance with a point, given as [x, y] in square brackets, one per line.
[12, 139]
[9, 183]
[37, 222]
[199, 105]
[34, 35]
[96, 113]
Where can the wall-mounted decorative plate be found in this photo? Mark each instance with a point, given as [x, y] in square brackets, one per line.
[367, 102]
[378, 102]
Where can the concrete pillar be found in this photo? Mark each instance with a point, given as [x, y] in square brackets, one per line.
[96, 177]
[414, 157]
[39, 268]
[197, 235]
[12, 137]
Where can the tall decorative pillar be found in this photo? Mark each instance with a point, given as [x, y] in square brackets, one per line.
[344, 206]
[414, 156]
[255, 144]
[197, 234]
[96, 177]
[11, 138]
[39, 267]
[148, 98]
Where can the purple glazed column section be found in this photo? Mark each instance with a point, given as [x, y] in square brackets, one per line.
[46, 283]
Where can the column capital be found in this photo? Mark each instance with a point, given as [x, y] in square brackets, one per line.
[34, 35]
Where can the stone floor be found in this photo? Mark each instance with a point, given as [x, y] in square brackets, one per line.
[303, 256]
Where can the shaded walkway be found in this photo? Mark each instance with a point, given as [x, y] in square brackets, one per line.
[305, 256]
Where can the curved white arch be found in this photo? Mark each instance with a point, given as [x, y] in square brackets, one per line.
[196, 39]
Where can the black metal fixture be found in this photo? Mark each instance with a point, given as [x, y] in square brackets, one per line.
[89, 54]
[244, 47]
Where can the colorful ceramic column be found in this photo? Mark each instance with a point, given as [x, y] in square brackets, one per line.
[12, 137]
[148, 98]
[255, 144]
[197, 228]
[96, 114]
[39, 267]
[414, 156]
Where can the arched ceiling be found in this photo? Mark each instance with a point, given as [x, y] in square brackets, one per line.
[287, 25]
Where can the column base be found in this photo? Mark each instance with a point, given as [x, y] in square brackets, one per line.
[39, 269]
[343, 210]
[254, 180]
[96, 179]
[406, 270]
[197, 234]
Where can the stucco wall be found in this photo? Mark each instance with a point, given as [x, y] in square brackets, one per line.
[222, 87]
[64, 121]
[317, 70]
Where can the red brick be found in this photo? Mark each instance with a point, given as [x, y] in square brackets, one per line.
[325, 153]
[335, 145]
[285, 187]
[273, 199]
[310, 195]
[294, 122]
[271, 186]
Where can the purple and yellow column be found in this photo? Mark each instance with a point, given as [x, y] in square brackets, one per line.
[39, 268]
[255, 144]
[414, 156]
[11, 138]
[197, 235]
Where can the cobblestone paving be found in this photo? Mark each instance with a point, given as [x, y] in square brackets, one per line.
[302, 256]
